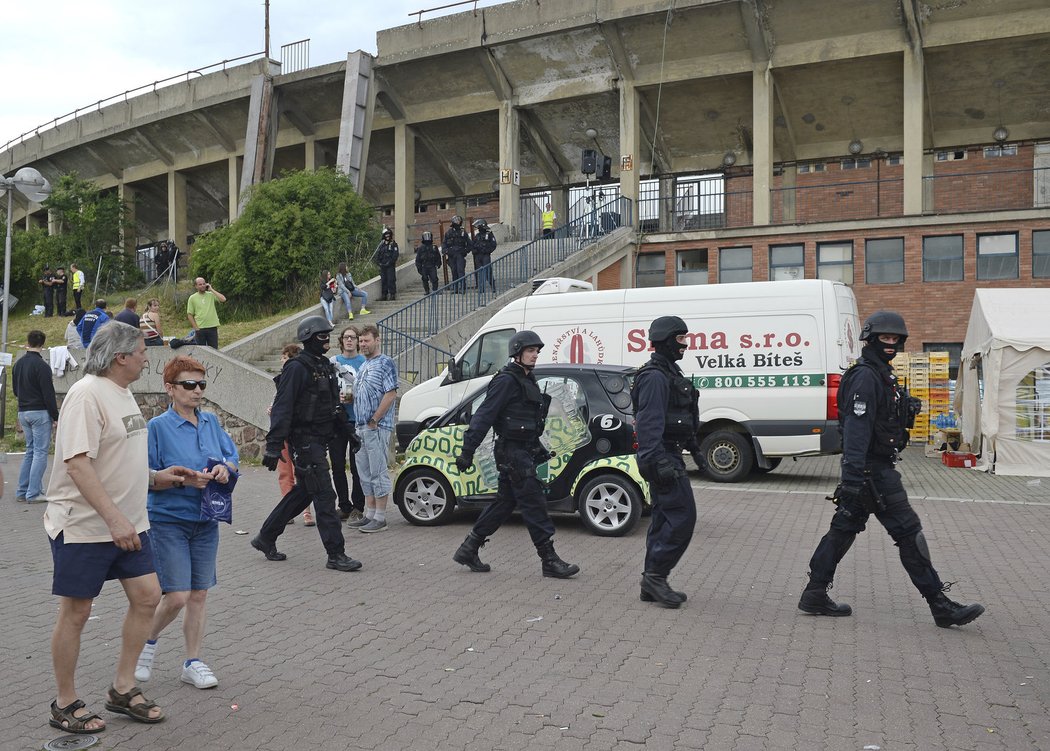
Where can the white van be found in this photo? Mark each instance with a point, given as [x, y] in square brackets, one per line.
[767, 358]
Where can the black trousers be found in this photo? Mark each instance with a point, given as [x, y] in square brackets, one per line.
[338, 450]
[388, 280]
[520, 489]
[49, 302]
[899, 519]
[672, 523]
[313, 484]
[458, 264]
[485, 277]
[76, 297]
[60, 301]
[208, 337]
[429, 275]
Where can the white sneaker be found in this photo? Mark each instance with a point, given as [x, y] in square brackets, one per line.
[144, 667]
[199, 675]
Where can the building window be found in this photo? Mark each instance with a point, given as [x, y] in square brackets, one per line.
[817, 167]
[787, 262]
[991, 152]
[835, 261]
[734, 265]
[997, 256]
[421, 208]
[649, 270]
[1041, 254]
[388, 212]
[954, 350]
[443, 206]
[895, 160]
[692, 266]
[856, 163]
[942, 258]
[951, 156]
[884, 261]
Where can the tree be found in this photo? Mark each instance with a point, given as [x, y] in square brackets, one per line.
[292, 228]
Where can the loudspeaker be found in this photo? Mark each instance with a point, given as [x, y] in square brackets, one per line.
[606, 172]
[588, 165]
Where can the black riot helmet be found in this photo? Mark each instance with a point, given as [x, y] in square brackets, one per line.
[457, 221]
[521, 340]
[884, 322]
[481, 224]
[387, 233]
[428, 237]
[310, 327]
[667, 327]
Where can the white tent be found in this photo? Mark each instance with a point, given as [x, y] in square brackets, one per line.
[1002, 396]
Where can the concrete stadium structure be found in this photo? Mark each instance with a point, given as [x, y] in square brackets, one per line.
[737, 128]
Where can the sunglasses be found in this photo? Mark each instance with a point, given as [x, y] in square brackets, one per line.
[191, 385]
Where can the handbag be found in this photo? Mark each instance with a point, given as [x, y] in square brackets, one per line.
[217, 498]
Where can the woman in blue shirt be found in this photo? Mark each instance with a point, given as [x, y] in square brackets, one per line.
[347, 363]
[185, 544]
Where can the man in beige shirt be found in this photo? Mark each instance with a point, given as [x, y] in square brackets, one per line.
[97, 524]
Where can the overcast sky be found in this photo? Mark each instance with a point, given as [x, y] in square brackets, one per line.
[60, 55]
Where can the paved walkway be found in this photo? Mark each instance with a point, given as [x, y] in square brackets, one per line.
[415, 652]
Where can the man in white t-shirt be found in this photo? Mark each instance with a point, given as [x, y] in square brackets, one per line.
[97, 524]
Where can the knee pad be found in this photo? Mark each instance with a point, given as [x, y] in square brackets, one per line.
[915, 543]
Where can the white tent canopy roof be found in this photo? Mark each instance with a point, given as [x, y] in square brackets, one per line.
[1008, 318]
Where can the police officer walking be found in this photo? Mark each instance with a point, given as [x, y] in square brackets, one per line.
[667, 418]
[455, 249]
[483, 245]
[385, 257]
[517, 410]
[874, 415]
[427, 261]
[306, 413]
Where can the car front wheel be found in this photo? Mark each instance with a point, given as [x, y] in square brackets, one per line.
[610, 505]
[424, 497]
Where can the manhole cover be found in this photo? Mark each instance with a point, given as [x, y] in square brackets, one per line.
[71, 743]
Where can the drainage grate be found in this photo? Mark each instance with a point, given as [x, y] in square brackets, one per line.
[71, 743]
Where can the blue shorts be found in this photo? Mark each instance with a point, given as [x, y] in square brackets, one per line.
[81, 568]
[185, 554]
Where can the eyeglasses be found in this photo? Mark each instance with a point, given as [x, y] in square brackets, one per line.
[191, 385]
[349, 336]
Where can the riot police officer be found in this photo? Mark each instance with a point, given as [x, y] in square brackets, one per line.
[455, 249]
[306, 413]
[427, 261]
[517, 410]
[482, 247]
[386, 255]
[667, 418]
[874, 415]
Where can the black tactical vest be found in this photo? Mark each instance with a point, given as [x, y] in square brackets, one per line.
[315, 411]
[893, 412]
[523, 418]
[682, 418]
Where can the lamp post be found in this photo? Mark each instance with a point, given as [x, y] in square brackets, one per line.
[36, 188]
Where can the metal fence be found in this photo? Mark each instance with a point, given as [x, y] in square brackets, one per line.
[405, 331]
[295, 56]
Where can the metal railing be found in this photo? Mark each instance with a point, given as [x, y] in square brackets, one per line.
[97, 106]
[295, 56]
[409, 327]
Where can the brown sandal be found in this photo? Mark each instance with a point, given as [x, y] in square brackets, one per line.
[121, 704]
[73, 724]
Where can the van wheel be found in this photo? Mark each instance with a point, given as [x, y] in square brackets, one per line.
[773, 464]
[424, 497]
[609, 505]
[728, 456]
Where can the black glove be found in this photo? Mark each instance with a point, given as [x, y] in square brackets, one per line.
[848, 494]
[270, 459]
[353, 440]
[698, 459]
[665, 473]
[464, 461]
[540, 455]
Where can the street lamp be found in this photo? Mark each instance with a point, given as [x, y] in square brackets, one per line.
[36, 188]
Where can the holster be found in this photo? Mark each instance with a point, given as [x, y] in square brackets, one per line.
[307, 475]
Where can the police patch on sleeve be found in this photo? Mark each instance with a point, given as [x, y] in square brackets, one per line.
[859, 407]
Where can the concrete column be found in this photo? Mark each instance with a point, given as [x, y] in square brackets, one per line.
[788, 195]
[914, 130]
[560, 204]
[665, 221]
[509, 159]
[128, 237]
[177, 209]
[314, 154]
[234, 186]
[630, 146]
[404, 181]
[762, 137]
[52, 222]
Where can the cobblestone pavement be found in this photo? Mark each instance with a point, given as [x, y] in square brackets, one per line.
[415, 652]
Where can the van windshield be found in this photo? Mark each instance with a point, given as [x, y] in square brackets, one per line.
[486, 355]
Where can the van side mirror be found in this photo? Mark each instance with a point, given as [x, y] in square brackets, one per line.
[455, 371]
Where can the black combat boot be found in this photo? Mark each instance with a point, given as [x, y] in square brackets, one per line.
[815, 601]
[646, 597]
[342, 562]
[268, 549]
[467, 553]
[947, 613]
[554, 566]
